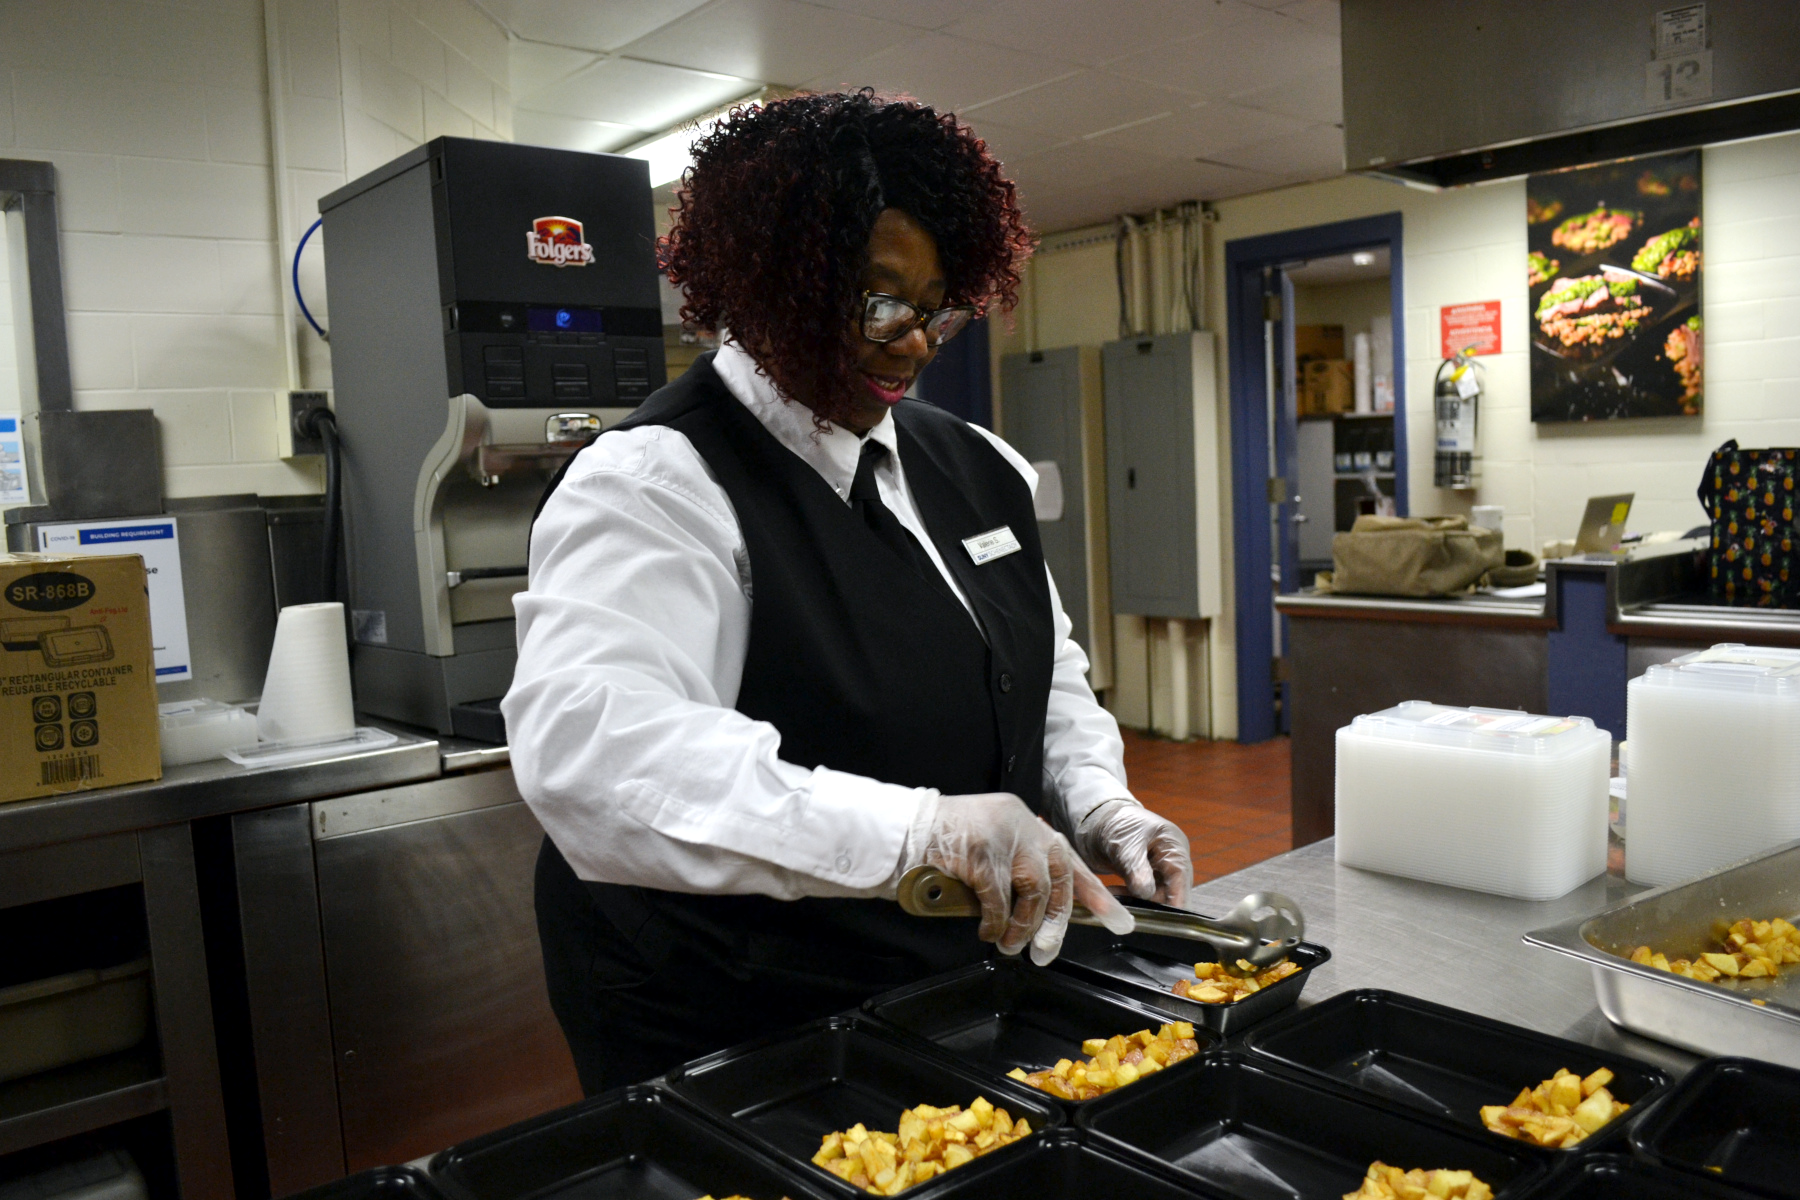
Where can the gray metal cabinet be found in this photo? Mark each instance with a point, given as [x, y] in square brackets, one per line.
[1161, 475]
[395, 983]
[1052, 415]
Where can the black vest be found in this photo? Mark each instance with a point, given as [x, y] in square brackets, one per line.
[863, 666]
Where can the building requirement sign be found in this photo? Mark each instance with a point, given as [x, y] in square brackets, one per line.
[1472, 328]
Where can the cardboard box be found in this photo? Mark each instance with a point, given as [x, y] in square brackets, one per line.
[1326, 386]
[1318, 341]
[77, 675]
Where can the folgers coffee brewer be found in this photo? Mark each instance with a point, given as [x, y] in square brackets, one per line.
[77, 677]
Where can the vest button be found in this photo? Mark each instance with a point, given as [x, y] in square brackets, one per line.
[1012, 760]
[1006, 683]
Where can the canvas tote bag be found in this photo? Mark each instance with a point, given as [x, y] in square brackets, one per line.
[1413, 556]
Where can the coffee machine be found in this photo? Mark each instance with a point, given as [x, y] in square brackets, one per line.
[492, 306]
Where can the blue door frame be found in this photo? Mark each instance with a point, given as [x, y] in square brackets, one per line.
[1245, 261]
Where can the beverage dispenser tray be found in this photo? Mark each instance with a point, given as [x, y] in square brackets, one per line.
[1754, 1018]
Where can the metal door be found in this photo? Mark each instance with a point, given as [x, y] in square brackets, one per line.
[1150, 497]
[1043, 423]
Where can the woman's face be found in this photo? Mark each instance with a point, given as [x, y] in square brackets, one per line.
[903, 262]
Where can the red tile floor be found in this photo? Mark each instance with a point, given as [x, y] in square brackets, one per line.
[1231, 800]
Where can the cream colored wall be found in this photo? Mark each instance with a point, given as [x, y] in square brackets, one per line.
[155, 116]
[1469, 244]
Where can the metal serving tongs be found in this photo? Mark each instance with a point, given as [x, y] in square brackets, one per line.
[1260, 928]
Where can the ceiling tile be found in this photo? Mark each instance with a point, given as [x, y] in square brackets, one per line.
[950, 73]
[646, 96]
[584, 24]
[1076, 164]
[923, 14]
[1084, 32]
[1262, 50]
[1008, 144]
[1081, 104]
[1313, 153]
[1202, 131]
[1317, 97]
[776, 41]
[570, 133]
[536, 66]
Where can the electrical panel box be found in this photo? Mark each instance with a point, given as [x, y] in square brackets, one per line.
[1162, 485]
[1052, 415]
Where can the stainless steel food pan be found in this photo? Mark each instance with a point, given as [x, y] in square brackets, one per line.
[1755, 1018]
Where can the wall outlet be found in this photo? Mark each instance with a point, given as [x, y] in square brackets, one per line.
[289, 441]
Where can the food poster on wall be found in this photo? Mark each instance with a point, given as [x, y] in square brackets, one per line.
[1614, 269]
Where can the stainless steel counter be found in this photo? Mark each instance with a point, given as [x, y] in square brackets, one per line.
[212, 789]
[1444, 944]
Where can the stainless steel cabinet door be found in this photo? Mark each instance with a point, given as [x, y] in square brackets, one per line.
[440, 1022]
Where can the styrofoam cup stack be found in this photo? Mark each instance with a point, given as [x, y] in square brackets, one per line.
[1494, 800]
[306, 694]
[1715, 760]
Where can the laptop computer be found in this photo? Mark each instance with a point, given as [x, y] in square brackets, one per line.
[1603, 525]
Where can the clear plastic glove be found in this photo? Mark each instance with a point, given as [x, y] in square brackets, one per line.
[1149, 852]
[1026, 874]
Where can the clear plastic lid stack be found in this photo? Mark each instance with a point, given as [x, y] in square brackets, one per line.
[1715, 760]
[1494, 800]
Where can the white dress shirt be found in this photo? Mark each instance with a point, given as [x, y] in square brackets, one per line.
[632, 634]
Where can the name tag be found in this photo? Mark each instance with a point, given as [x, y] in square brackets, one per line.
[995, 543]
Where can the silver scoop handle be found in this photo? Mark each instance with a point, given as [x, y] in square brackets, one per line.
[1277, 927]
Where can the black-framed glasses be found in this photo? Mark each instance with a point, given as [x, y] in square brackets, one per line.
[888, 318]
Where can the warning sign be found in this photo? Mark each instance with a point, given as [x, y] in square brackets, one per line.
[1474, 327]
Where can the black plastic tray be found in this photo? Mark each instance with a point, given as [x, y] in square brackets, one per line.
[1434, 1058]
[379, 1183]
[1002, 1014]
[1256, 1131]
[1066, 1164]
[1615, 1177]
[787, 1092]
[1146, 966]
[1736, 1114]
[633, 1144]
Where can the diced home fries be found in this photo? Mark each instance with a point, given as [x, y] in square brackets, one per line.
[1114, 1062]
[1752, 950]
[1559, 1112]
[1216, 983]
[930, 1142]
[1391, 1183]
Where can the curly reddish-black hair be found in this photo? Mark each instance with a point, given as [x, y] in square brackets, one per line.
[771, 227]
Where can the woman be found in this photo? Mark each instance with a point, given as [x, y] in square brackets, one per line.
[789, 634]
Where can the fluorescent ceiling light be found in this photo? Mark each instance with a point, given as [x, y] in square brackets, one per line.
[667, 153]
[1363, 258]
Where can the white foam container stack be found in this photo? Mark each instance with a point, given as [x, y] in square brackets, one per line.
[1715, 760]
[1494, 800]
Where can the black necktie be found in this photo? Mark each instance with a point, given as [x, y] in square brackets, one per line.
[865, 497]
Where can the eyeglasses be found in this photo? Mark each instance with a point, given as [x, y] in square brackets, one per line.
[889, 318]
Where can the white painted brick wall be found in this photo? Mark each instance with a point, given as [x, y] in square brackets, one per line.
[156, 118]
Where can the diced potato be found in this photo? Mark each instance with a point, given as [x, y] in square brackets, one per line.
[1559, 1112]
[1593, 1083]
[1092, 1046]
[1383, 1182]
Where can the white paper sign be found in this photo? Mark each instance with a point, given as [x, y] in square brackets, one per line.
[995, 543]
[1679, 80]
[155, 539]
[12, 462]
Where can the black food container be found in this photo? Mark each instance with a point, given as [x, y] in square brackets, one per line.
[379, 1183]
[1066, 1164]
[1735, 1120]
[1003, 1014]
[633, 1144]
[1615, 1177]
[1254, 1131]
[1146, 966]
[1450, 1063]
[785, 1093]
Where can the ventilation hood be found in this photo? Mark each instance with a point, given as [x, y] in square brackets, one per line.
[1449, 92]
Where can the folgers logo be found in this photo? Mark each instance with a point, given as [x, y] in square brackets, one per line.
[557, 242]
[49, 591]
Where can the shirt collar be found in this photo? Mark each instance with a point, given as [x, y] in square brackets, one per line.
[833, 454]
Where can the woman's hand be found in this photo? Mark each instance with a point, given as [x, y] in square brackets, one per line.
[1149, 852]
[1026, 874]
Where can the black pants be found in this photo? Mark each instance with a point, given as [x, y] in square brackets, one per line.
[644, 980]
